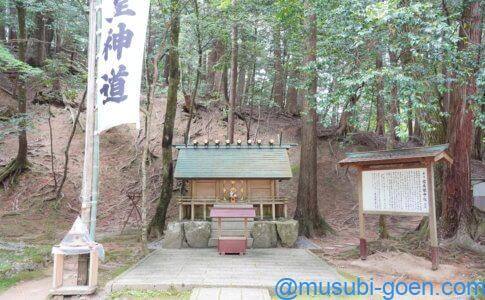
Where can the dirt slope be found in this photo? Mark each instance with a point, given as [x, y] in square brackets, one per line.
[24, 215]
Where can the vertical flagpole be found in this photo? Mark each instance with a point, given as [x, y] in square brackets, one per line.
[87, 184]
[95, 187]
[95, 195]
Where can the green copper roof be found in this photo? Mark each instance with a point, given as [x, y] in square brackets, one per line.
[233, 162]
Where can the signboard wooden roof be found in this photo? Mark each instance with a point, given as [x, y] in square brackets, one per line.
[397, 156]
[233, 161]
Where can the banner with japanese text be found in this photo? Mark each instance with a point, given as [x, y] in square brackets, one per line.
[120, 62]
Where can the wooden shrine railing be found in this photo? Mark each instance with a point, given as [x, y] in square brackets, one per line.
[190, 206]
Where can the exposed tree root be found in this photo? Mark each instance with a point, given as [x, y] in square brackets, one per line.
[317, 227]
[383, 232]
[464, 240]
[389, 245]
[12, 170]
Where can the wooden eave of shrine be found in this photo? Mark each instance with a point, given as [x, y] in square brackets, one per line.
[405, 156]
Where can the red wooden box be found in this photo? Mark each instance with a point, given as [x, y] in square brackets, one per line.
[232, 245]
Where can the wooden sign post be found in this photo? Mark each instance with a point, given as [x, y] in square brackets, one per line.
[398, 182]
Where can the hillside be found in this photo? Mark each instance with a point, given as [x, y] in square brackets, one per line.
[26, 203]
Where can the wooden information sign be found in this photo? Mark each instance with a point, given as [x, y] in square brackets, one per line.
[398, 182]
[395, 191]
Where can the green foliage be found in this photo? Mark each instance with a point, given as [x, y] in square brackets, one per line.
[12, 125]
[8, 63]
[138, 294]
[422, 37]
[416, 41]
[11, 260]
[6, 283]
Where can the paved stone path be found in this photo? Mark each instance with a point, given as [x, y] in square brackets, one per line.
[185, 269]
[229, 293]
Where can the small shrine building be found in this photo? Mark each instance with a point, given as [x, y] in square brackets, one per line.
[242, 173]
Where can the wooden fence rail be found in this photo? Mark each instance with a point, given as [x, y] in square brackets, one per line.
[259, 202]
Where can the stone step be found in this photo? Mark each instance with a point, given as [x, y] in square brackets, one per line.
[229, 232]
[231, 225]
[213, 242]
[229, 293]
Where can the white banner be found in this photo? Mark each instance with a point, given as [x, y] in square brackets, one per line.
[120, 62]
[400, 190]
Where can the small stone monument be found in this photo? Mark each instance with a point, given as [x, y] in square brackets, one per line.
[76, 243]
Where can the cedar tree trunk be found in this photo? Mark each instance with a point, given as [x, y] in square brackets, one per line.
[158, 221]
[233, 94]
[380, 115]
[292, 93]
[307, 212]
[21, 159]
[279, 84]
[457, 195]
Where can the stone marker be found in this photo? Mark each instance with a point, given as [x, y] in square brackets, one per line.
[264, 235]
[288, 232]
[197, 233]
[174, 236]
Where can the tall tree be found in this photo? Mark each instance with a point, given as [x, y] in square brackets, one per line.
[279, 80]
[40, 39]
[344, 122]
[241, 85]
[478, 144]
[20, 162]
[214, 76]
[193, 96]
[2, 31]
[292, 92]
[233, 93]
[22, 92]
[393, 108]
[380, 106]
[158, 221]
[307, 212]
[457, 198]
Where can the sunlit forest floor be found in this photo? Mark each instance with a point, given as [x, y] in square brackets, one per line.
[28, 215]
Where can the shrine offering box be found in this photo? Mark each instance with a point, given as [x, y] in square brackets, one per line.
[232, 244]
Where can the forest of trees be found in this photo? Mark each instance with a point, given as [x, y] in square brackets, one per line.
[408, 70]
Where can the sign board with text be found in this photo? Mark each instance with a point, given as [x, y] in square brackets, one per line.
[396, 191]
[398, 182]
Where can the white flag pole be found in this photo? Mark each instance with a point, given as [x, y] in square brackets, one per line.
[87, 183]
[95, 193]
[95, 187]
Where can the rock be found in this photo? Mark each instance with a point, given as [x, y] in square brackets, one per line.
[302, 242]
[12, 246]
[158, 244]
[264, 235]
[197, 233]
[174, 236]
[287, 232]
